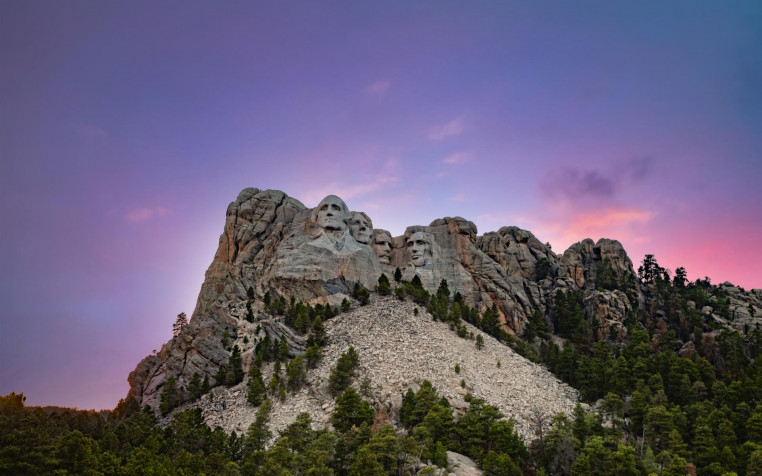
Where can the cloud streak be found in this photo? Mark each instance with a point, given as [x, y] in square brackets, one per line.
[379, 87]
[457, 158]
[442, 131]
[140, 215]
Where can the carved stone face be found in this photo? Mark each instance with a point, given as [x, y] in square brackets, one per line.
[360, 227]
[420, 248]
[382, 244]
[331, 213]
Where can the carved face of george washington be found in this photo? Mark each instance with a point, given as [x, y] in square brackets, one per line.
[332, 213]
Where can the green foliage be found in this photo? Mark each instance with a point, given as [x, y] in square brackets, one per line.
[345, 305]
[384, 287]
[313, 355]
[341, 375]
[415, 290]
[258, 433]
[195, 387]
[397, 275]
[234, 372]
[361, 294]
[169, 397]
[536, 327]
[256, 391]
[479, 341]
[296, 373]
[351, 410]
[568, 312]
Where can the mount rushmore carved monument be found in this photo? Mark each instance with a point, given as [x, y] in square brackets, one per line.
[272, 243]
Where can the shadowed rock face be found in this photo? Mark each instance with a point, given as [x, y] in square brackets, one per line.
[273, 243]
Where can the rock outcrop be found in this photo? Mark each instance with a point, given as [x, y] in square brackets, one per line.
[272, 243]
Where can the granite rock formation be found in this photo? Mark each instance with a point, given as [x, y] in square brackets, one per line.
[273, 244]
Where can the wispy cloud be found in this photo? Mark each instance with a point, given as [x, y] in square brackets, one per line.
[139, 215]
[379, 87]
[458, 197]
[457, 158]
[575, 183]
[385, 177]
[452, 128]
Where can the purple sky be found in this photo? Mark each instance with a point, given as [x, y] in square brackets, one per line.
[127, 127]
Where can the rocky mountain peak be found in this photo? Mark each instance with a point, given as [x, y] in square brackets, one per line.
[273, 245]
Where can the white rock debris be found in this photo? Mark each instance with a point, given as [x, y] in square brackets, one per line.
[399, 350]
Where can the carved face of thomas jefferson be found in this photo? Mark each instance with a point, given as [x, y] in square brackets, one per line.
[360, 227]
[419, 246]
[382, 244]
[331, 213]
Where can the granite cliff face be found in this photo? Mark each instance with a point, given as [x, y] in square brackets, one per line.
[273, 244]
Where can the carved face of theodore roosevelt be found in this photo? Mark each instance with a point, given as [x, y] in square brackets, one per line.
[382, 244]
[360, 227]
[331, 213]
[419, 246]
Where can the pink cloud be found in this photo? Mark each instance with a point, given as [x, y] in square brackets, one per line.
[607, 219]
[452, 128]
[139, 215]
[458, 197]
[379, 87]
[457, 158]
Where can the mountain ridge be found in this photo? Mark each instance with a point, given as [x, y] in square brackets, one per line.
[273, 245]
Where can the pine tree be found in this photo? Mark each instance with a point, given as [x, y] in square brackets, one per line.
[443, 289]
[479, 341]
[407, 408]
[168, 398]
[384, 288]
[256, 391]
[704, 450]
[267, 300]
[318, 332]
[351, 410]
[397, 275]
[341, 375]
[180, 322]
[234, 372]
[283, 350]
[296, 373]
[194, 386]
[259, 433]
[313, 355]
